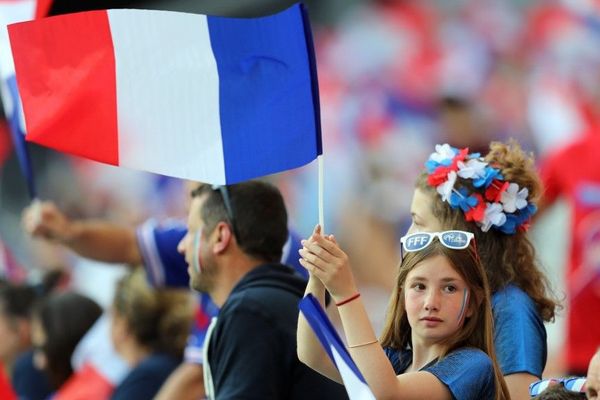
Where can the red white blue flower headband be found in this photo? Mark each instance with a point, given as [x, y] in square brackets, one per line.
[501, 204]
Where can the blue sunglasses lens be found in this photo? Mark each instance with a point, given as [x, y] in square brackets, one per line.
[539, 386]
[575, 384]
[417, 241]
[455, 239]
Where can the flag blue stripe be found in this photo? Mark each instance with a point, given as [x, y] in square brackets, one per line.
[267, 108]
[18, 137]
[315, 81]
[326, 333]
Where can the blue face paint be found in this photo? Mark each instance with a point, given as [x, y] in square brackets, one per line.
[196, 254]
[463, 307]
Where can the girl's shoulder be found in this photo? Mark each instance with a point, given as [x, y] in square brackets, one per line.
[470, 357]
[512, 304]
[467, 372]
[511, 294]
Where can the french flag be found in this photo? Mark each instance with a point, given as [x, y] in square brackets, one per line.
[10, 12]
[354, 382]
[212, 99]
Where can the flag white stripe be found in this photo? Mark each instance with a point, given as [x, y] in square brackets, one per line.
[10, 12]
[357, 389]
[160, 109]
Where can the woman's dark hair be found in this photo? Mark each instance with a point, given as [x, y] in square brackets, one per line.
[64, 318]
[16, 301]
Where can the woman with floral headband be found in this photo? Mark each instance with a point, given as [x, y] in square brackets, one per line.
[493, 198]
[438, 335]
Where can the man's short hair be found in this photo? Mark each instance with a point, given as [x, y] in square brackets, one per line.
[256, 214]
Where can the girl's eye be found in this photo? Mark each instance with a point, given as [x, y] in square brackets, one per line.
[450, 289]
[418, 286]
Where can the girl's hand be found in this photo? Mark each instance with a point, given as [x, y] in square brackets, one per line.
[323, 258]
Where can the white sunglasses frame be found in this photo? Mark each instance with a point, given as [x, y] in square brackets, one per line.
[438, 235]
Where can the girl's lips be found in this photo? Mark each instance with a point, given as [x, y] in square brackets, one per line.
[433, 319]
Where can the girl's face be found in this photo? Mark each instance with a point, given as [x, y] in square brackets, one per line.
[423, 219]
[436, 299]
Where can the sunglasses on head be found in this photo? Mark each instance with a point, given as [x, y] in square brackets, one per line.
[456, 240]
[575, 384]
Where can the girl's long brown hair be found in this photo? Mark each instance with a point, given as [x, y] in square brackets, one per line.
[507, 258]
[477, 330]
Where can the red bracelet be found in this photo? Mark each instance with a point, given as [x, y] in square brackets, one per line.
[348, 300]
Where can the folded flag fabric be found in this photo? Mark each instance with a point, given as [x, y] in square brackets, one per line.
[213, 99]
[5, 143]
[10, 12]
[354, 382]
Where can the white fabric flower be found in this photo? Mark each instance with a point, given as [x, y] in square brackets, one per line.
[442, 152]
[513, 198]
[445, 189]
[493, 216]
[472, 169]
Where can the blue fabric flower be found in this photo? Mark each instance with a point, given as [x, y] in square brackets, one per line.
[462, 199]
[491, 173]
[510, 226]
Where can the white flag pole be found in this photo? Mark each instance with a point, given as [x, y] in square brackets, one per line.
[321, 218]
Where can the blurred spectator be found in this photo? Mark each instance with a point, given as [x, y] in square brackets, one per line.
[571, 172]
[58, 323]
[97, 368]
[593, 377]
[16, 303]
[149, 330]
[27, 381]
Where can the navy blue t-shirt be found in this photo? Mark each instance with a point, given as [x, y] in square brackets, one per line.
[145, 380]
[467, 372]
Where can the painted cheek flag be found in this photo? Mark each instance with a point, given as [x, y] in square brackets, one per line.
[354, 382]
[10, 12]
[212, 99]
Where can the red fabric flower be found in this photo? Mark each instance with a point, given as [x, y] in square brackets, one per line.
[524, 227]
[494, 192]
[439, 176]
[478, 212]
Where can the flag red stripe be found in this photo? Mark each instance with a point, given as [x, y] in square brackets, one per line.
[5, 143]
[42, 8]
[67, 84]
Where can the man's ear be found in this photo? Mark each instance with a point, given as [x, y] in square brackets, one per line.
[224, 237]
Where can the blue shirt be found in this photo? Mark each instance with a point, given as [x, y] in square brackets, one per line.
[145, 380]
[519, 333]
[468, 373]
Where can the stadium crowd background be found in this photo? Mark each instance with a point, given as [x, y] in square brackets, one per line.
[395, 78]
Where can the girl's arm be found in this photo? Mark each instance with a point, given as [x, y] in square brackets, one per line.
[327, 262]
[310, 351]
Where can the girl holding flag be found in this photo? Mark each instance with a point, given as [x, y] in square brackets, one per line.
[438, 335]
[492, 198]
